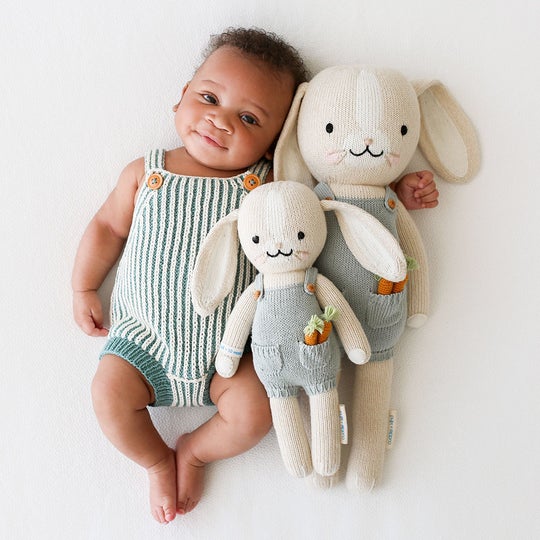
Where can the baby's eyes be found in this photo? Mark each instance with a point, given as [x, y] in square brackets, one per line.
[248, 119]
[209, 98]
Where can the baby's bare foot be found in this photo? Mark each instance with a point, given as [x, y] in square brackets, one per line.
[189, 476]
[162, 478]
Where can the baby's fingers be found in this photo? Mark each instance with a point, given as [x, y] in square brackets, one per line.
[428, 199]
[90, 327]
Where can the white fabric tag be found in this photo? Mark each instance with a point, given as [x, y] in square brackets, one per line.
[392, 425]
[344, 430]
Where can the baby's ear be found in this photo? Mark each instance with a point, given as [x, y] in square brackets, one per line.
[448, 138]
[175, 107]
[214, 272]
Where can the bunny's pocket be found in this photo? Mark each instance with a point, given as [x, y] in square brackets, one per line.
[314, 357]
[320, 365]
[267, 360]
[387, 310]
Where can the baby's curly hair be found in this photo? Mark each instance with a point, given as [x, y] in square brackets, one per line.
[264, 46]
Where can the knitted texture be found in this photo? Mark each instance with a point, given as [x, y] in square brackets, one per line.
[372, 121]
[372, 391]
[383, 317]
[282, 360]
[325, 434]
[291, 436]
[154, 326]
[282, 229]
[354, 129]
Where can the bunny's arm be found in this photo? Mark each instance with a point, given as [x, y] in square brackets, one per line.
[236, 333]
[348, 327]
[412, 245]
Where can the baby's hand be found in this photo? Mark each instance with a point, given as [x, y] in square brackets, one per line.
[88, 313]
[417, 190]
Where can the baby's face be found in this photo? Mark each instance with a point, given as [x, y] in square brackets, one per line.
[232, 110]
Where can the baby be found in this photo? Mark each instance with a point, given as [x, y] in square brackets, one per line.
[159, 352]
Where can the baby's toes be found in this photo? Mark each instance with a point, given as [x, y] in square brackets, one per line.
[165, 513]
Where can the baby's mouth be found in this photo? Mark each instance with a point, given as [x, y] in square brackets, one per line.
[210, 141]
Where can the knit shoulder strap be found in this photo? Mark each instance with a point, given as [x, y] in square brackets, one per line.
[323, 191]
[310, 280]
[154, 159]
[261, 169]
[259, 286]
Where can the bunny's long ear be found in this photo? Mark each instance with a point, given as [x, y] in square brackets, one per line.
[288, 161]
[375, 248]
[447, 138]
[215, 268]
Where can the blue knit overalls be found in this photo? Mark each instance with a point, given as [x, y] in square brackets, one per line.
[283, 362]
[153, 324]
[383, 317]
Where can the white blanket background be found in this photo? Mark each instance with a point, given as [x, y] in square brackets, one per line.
[85, 87]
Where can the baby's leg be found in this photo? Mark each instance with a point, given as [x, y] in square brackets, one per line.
[242, 420]
[121, 394]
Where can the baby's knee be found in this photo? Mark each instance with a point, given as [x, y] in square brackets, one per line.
[106, 395]
[252, 419]
[118, 385]
[260, 420]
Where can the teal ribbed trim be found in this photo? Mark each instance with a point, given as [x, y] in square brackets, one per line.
[152, 370]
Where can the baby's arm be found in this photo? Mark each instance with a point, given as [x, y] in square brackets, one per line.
[417, 190]
[100, 247]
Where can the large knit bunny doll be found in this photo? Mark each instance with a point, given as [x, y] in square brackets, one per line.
[351, 132]
[282, 230]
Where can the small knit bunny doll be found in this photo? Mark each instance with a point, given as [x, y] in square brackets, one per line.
[282, 230]
[351, 132]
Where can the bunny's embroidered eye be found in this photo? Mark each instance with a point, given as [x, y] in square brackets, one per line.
[255, 239]
[329, 128]
[301, 235]
[404, 130]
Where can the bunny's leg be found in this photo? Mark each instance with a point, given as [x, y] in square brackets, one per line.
[325, 438]
[371, 402]
[291, 435]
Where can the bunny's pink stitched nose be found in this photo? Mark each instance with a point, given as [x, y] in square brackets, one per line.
[368, 141]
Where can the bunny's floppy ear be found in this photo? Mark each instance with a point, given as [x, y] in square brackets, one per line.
[370, 242]
[215, 268]
[373, 246]
[447, 138]
[288, 161]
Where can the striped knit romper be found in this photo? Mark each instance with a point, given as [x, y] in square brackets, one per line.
[153, 324]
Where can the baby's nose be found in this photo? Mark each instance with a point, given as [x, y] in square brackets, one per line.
[221, 122]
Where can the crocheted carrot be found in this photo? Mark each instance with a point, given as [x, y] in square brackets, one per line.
[319, 327]
[388, 287]
[330, 313]
[313, 330]
[385, 286]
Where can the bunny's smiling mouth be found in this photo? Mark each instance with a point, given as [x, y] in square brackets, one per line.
[279, 252]
[368, 151]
